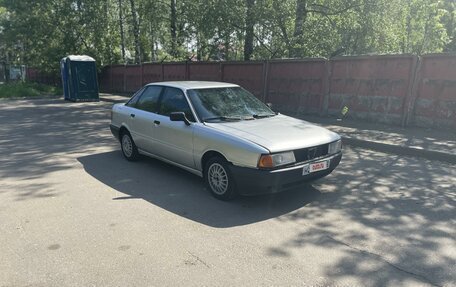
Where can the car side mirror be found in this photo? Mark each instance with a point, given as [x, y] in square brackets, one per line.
[179, 117]
[269, 105]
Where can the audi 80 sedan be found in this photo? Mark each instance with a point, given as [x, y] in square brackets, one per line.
[224, 134]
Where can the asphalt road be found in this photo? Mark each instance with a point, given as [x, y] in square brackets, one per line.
[73, 212]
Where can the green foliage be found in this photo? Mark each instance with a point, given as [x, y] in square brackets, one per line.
[25, 89]
[40, 32]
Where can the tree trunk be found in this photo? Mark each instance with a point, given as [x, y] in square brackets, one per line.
[108, 45]
[300, 19]
[173, 28]
[408, 28]
[451, 29]
[199, 50]
[227, 46]
[152, 44]
[122, 36]
[249, 23]
[135, 25]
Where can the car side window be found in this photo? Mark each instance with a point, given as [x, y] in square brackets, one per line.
[149, 99]
[134, 99]
[173, 100]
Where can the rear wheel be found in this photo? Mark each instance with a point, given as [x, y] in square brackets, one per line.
[129, 149]
[219, 179]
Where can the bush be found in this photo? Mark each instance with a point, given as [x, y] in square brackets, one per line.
[27, 89]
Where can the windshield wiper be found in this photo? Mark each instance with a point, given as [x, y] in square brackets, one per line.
[263, 116]
[222, 118]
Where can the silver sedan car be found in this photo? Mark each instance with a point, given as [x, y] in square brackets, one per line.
[222, 133]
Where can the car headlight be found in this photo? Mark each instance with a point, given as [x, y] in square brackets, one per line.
[335, 147]
[277, 159]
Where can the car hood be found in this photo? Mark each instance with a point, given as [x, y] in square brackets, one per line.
[278, 133]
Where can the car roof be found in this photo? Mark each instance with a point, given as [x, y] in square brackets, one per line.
[187, 85]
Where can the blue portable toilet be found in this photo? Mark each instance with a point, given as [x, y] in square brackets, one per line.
[79, 78]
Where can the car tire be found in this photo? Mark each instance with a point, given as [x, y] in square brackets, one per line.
[128, 146]
[219, 180]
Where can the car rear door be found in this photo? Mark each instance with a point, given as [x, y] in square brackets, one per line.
[174, 140]
[143, 118]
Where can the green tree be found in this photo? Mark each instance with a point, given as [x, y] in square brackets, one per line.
[40, 32]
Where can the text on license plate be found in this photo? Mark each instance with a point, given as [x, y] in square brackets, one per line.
[313, 167]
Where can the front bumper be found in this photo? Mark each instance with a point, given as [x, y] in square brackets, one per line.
[251, 181]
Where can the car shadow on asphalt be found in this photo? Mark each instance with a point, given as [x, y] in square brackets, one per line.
[184, 194]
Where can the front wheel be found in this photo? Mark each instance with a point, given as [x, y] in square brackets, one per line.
[129, 149]
[219, 179]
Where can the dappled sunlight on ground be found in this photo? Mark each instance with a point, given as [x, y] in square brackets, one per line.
[378, 220]
[383, 196]
[44, 136]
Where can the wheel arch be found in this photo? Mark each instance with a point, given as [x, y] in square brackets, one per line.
[123, 129]
[210, 154]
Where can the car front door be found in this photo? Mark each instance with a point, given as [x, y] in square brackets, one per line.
[143, 118]
[174, 140]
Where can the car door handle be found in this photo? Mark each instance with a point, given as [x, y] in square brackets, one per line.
[157, 122]
[132, 115]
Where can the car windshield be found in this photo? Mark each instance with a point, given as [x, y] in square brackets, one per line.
[227, 104]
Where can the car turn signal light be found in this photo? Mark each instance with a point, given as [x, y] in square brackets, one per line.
[265, 161]
[277, 159]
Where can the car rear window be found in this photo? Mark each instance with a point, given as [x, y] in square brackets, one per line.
[149, 99]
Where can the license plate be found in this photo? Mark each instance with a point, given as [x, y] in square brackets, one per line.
[313, 167]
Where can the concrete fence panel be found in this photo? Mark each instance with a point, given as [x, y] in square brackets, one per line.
[104, 80]
[435, 104]
[117, 78]
[204, 71]
[395, 89]
[374, 88]
[174, 72]
[151, 73]
[296, 86]
[249, 75]
[133, 75]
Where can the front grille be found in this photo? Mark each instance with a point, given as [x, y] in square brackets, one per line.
[310, 153]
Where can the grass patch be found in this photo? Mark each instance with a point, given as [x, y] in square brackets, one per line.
[26, 90]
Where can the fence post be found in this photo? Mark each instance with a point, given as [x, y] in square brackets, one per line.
[124, 88]
[326, 88]
[187, 71]
[111, 79]
[221, 72]
[265, 81]
[412, 91]
[141, 67]
[162, 71]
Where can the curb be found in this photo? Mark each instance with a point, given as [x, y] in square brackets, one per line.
[400, 150]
